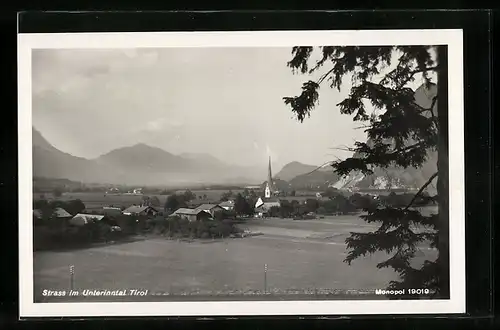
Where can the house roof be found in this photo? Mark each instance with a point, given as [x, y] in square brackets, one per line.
[59, 211]
[187, 211]
[270, 200]
[111, 210]
[226, 203]
[82, 219]
[89, 216]
[62, 213]
[137, 209]
[266, 206]
[207, 206]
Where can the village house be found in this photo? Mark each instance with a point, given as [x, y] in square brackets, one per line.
[82, 219]
[210, 208]
[263, 205]
[58, 212]
[227, 205]
[192, 214]
[59, 216]
[140, 210]
[111, 211]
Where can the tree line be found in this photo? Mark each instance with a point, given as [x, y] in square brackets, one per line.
[53, 232]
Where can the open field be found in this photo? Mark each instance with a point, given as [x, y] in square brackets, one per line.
[212, 194]
[300, 255]
[96, 200]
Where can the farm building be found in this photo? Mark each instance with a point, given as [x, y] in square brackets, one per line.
[111, 211]
[210, 208]
[267, 201]
[82, 219]
[198, 202]
[58, 212]
[60, 217]
[227, 205]
[263, 205]
[140, 210]
[192, 214]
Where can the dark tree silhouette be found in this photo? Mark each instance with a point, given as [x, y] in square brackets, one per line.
[174, 202]
[74, 206]
[226, 196]
[242, 206]
[57, 192]
[189, 195]
[154, 201]
[402, 134]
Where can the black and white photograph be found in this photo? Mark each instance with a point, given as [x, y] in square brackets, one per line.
[241, 173]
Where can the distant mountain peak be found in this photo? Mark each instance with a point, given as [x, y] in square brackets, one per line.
[38, 140]
[139, 148]
[294, 169]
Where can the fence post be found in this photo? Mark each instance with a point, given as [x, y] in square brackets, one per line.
[265, 278]
[72, 276]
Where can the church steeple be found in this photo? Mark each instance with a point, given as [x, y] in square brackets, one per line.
[269, 184]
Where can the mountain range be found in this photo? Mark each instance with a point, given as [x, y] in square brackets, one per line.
[139, 164]
[142, 164]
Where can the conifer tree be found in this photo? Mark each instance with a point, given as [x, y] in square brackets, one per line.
[401, 133]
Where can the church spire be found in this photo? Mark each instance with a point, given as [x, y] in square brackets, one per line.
[270, 176]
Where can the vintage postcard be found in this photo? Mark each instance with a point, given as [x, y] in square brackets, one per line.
[241, 173]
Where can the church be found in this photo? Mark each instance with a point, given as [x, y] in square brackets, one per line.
[264, 203]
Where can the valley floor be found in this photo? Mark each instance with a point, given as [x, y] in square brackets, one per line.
[304, 260]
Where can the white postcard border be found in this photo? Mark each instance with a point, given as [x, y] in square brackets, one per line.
[452, 38]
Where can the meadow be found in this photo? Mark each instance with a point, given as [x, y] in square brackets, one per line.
[304, 255]
[96, 200]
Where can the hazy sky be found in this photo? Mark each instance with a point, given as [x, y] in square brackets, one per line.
[223, 101]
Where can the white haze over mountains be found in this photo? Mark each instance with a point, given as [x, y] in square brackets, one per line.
[223, 102]
[193, 114]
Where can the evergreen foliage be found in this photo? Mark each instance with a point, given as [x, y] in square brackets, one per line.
[400, 133]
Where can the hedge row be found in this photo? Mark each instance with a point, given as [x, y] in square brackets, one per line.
[179, 227]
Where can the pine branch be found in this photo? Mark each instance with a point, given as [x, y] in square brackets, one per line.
[318, 168]
[413, 73]
[363, 126]
[434, 119]
[323, 77]
[412, 146]
[344, 149]
[419, 192]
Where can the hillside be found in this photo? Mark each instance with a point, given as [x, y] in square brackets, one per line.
[203, 158]
[293, 169]
[138, 165]
[50, 162]
[142, 157]
[317, 179]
